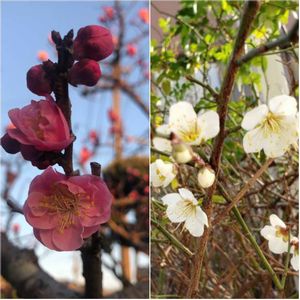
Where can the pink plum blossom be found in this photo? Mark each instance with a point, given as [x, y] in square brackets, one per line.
[37, 82]
[40, 124]
[65, 210]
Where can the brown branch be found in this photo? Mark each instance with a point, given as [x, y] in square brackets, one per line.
[249, 12]
[205, 86]
[91, 257]
[242, 192]
[21, 269]
[283, 41]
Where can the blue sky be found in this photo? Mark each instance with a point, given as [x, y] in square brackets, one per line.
[24, 31]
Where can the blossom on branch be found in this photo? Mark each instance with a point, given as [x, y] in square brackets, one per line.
[162, 173]
[191, 128]
[295, 253]
[40, 124]
[277, 235]
[183, 207]
[272, 127]
[65, 210]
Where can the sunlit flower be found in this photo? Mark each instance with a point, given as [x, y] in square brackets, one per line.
[162, 173]
[64, 210]
[206, 177]
[191, 128]
[272, 128]
[295, 253]
[183, 207]
[43, 55]
[277, 235]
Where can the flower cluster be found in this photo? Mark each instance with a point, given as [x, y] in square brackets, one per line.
[278, 238]
[185, 129]
[63, 210]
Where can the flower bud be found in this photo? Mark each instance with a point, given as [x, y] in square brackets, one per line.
[37, 81]
[144, 15]
[10, 145]
[206, 177]
[182, 153]
[86, 71]
[94, 42]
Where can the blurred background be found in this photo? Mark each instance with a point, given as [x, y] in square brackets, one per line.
[110, 121]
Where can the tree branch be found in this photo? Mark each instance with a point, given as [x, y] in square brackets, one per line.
[283, 41]
[249, 12]
[20, 268]
[205, 86]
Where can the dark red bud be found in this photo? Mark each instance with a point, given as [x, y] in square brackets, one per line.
[94, 42]
[86, 71]
[37, 81]
[10, 145]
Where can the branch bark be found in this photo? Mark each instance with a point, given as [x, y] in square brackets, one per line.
[21, 269]
[91, 257]
[249, 12]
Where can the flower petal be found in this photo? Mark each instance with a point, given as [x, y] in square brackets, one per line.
[295, 262]
[276, 221]
[253, 141]
[187, 195]
[268, 232]
[171, 198]
[209, 124]
[277, 245]
[162, 144]
[255, 116]
[45, 237]
[177, 212]
[88, 231]
[283, 105]
[195, 223]
[163, 129]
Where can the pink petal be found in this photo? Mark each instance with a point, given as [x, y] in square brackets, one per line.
[88, 231]
[45, 237]
[70, 239]
[43, 222]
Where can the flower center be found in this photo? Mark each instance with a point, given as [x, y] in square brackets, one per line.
[189, 208]
[160, 175]
[191, 134]
[282, 233]
[271, 124]
[64, 204]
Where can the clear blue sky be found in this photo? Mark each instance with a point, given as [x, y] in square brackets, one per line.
[24, 31]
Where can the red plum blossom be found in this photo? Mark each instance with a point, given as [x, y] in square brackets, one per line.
[65, 210]
[40, 124]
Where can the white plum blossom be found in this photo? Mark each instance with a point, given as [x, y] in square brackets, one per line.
[206, 177]
[272, 128]
[162, 173]
[191, 128]
[295, 253]
[277, 235]
[183, 207]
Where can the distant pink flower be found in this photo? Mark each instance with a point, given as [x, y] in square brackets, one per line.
[43, 55]
[94, 42]
[37, 81]
[85, 155]
[40, 124]
[131, 50]
[144, 15]
[86, 71]
[110, 12]
[64, 210]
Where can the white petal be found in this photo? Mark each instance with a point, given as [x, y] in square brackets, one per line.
[209, 124]
[253, 141]
[163, 129]
[187, 195]
[254, 117]
[277, 245]
[171, 198]
[162, 144]
[195, 223]
[177, 212]
[202, 215]
[276, 221]
[183, 121]
[268, 232]
[161, 173]
[295, 262]
[155, 179]
[283, 105]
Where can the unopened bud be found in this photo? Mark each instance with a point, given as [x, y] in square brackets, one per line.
[182, 153]
[206, 177]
